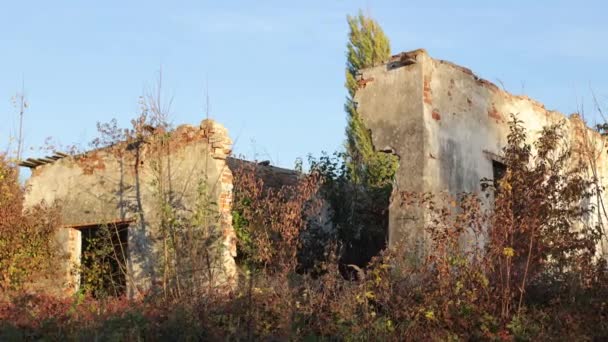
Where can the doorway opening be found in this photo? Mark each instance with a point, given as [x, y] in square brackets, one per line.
[103, 259]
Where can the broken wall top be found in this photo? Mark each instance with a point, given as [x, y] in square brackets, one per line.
[209, 130]
[446, 90]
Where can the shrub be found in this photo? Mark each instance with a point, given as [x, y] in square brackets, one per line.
[528, 272]
[27, 246]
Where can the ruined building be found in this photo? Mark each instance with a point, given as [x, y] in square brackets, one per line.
[448, 127]
[126, 186]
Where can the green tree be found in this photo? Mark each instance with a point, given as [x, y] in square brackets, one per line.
[367, 46]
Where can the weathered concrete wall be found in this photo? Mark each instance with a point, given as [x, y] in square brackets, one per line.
[396, 122]
[121, 183]
[447, 125]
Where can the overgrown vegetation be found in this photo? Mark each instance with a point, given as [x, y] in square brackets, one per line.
[270, 221]
[184, 248]
[358, 183]
[359, 213]
[529, 271]
[103, 266]
[26, 245]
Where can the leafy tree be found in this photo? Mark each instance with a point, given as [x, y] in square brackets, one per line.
[358, 183]
[367, 46]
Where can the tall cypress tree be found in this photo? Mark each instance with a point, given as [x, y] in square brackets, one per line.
[367, 46]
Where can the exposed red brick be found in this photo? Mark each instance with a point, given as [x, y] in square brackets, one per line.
[428, 93]
[364, 81]
[90, 162]
[494, 114]
[436, 115]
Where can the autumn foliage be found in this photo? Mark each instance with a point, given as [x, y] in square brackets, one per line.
[525, 269]
[26, 244]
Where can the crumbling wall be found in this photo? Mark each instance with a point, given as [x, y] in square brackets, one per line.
[120, 184]
[467, 128]
[467, 125]
[389, 100]
[448, 125]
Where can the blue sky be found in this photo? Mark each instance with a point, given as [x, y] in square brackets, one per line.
[275, 69]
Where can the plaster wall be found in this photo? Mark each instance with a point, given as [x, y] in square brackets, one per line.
[395, 120]
[447, 125]
[121, 183]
